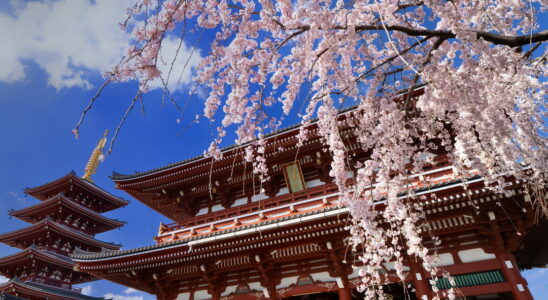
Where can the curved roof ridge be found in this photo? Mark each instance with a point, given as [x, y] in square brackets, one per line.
[33, 248]
[61, 227]
[59, 292]
[72, 175]
[89, 211]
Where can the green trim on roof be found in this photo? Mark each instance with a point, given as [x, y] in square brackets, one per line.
[472, 279]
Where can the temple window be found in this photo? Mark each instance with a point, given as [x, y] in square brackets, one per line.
[294, 177]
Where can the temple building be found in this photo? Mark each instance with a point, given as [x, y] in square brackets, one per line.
[232, 238]
[67, 218]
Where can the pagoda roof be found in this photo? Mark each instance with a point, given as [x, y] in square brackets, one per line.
[10, 297]
[46, 224]
[32, 253]
[44, 291]
[58, 260]
[27, 213]
[44, 192]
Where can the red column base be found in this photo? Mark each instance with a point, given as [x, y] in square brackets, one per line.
[345, 294]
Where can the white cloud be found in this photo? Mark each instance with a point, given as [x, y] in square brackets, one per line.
[71, 39]
[130, 291]
[87, 290]
[120, 297]
[167, 52]
[16, 196]
[66, 38]
[3, 279]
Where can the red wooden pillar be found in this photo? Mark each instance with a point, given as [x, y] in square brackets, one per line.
[345, 294]
[420, 280]
[511, 273]
[344, 291]
[507, 262]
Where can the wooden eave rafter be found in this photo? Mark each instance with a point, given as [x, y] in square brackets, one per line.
[201, 167]
[51, 292]
[152, 194]
[46, 225]
[37, 254]
[27, 213]
[455, 221]
[42, 192]
[274, 140]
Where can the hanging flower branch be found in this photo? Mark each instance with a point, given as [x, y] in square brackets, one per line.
[480, 66]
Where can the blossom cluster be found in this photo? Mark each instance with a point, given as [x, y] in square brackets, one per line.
[465, 78]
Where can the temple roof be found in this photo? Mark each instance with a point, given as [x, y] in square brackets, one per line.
[41, 290]
[440, 187]
[27, 213]
[295, 127]
[45, 191]
[46, 224]
[121, 177]
[84, 255]
[31, 255]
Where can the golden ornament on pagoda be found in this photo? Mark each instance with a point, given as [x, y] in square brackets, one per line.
[93, 162]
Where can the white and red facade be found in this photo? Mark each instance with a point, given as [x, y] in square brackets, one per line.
[229, 240]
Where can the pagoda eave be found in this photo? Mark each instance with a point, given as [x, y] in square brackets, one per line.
[45, 191]
[54, 204]
[41, 229]
[40, 291]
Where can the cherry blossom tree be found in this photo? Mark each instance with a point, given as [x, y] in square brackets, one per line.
[466, 78]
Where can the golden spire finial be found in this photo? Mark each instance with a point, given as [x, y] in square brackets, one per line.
[95, 157]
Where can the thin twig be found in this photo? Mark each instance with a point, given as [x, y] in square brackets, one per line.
[137, 96]
[90, 104]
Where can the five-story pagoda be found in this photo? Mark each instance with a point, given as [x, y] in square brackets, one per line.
[67, 218]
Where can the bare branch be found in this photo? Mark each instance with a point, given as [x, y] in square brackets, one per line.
[137, 97]
[497, 39]
[90, 104]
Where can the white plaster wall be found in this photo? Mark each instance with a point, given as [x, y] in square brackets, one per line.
[183, 296]
[240, 201]
[229, 290]
[355, 273]
[201, 295]
[322, 276]
[283, 191]
[472, 255]
[258, 197]
[202, 211]
[446, 259]
[313, 183]
[391, 266]
[287, 281]
[217, 207]
[255, 286]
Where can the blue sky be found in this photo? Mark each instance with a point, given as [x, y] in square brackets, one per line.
[52, 55]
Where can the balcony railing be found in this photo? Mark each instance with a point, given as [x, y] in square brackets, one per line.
[253, 207]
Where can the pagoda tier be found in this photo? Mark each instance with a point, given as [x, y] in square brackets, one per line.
[65, 211]
[36, 291]
[50, 235]
[42, 266]
[9, 297]
[78, 190]
[66, 218]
